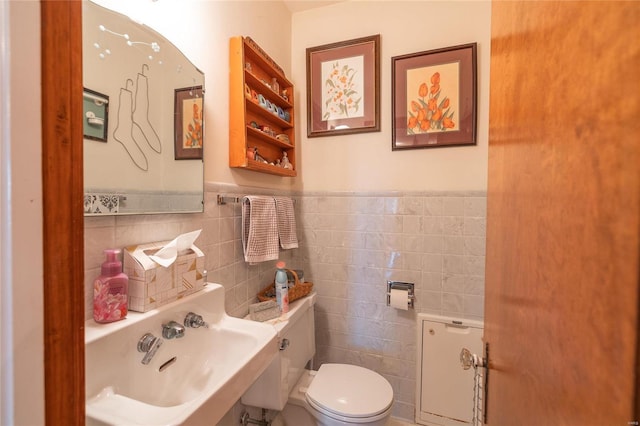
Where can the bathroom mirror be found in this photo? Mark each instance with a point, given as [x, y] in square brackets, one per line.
[142, 119]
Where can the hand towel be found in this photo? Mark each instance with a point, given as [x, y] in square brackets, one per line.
[286, 223]
[259, 229]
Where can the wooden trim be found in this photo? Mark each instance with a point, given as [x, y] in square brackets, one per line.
[63, 221]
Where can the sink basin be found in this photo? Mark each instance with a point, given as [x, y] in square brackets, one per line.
[189, 379]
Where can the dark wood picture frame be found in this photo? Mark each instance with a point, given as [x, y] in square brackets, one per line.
[343, 87]
[434, 98]
[188, 123]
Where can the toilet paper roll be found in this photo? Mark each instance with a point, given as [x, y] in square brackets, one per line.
[399, 299]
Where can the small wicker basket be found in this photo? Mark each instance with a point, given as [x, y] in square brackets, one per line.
[296, 291]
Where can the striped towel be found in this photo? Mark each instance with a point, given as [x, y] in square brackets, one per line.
[259, 229]
[286, 223]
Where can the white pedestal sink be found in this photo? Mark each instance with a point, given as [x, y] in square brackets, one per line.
[189, 379]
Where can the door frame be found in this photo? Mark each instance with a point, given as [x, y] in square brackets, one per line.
[63, 220]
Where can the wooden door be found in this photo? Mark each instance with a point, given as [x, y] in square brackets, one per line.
[561, 317]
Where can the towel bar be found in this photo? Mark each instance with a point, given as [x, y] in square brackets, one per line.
[224, 199]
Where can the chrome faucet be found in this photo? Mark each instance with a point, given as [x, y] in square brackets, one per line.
[172, 330]
[194, 321]
[148, 344]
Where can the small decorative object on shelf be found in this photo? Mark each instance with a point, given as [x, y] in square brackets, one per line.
[261, 111]
[251, 153]
[259, 157]
[285, 161]
[282, 137]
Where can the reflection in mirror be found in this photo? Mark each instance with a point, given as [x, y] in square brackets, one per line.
[142, 119]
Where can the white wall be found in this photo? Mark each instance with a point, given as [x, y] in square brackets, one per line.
[22, 356]
[362, 162]
[365, 162]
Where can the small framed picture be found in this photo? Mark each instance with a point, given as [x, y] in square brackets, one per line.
[188, 119]
[343, 87]
[434, 98]
[95, 109]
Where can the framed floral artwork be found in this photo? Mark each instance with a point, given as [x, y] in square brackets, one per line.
[343, 87]
[434, 98]
[188, 129]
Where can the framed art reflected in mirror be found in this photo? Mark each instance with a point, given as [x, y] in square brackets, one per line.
[188, 126]
[96, 115]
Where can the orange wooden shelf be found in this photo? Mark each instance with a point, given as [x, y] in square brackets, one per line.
[252, 68]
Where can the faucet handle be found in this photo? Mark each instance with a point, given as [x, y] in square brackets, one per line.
[148, 344]
[172, 330]
[194, 321]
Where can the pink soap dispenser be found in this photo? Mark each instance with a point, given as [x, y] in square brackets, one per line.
[110, 290]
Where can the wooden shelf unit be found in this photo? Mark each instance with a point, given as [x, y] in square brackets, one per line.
[244, 109]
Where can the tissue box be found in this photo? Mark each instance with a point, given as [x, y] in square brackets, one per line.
[152, 285]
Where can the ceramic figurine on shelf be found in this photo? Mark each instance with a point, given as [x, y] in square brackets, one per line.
[285, 94]
[259, 157]
[285, 162]
[278, 164]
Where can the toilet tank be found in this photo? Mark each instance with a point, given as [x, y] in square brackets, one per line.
[296, 336]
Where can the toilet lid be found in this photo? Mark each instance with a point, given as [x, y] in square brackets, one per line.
[349, 391]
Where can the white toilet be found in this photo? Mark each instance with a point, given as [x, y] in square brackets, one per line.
[336, 394]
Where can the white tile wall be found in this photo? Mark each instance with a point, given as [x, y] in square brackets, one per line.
[350, 245]
[354, 243]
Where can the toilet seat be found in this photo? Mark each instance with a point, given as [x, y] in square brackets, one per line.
[344, 392]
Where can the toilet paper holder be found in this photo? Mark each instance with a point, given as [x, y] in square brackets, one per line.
[399, 285]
